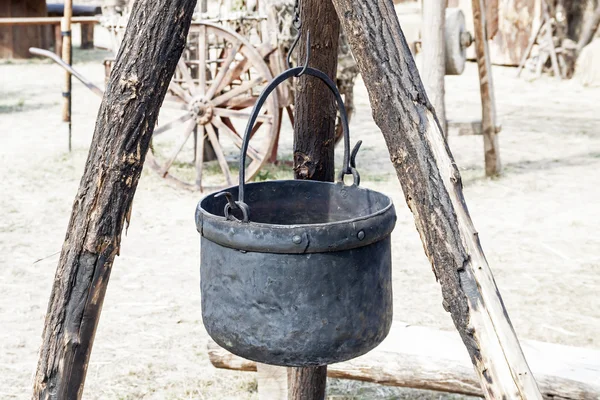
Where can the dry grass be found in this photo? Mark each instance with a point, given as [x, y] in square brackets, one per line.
[538, 225]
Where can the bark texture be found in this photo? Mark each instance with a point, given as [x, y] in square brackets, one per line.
[433, 190]
[153, 44]
[307, 383]
[315, 108]
[314, 140]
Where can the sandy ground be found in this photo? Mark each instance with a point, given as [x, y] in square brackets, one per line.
[538, 224]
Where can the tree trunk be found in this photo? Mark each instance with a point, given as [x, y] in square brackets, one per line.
[307, 383]
[315, 106]
[434, 62]
[433, 190]
[314, 141]
[153, 44]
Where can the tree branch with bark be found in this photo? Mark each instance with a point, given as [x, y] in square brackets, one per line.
[433, 190]
[153, 43]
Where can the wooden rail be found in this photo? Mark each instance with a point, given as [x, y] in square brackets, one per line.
[46, 21]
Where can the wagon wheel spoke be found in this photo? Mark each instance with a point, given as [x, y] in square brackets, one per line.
[229, 113]
[202, 60]
[290, 113]
[170, 98]
[234, 73]
[239, 103]
[179, 92]
[171, 124]
[214, 141]
[187, 77]
[237, 139]
[255, 128]
[224, 70]
[200, 155]
[244, 87]
[260, 120]
[186, 134]
[175, 105]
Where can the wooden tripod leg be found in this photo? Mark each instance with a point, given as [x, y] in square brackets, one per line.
[106, 190]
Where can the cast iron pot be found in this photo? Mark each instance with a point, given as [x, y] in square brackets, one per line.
[297, 273]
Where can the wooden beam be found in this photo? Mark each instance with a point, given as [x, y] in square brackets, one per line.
[425, 358]
[433, 55]
[46, 21]
[432, 188]
[137, 87]
[491, 147]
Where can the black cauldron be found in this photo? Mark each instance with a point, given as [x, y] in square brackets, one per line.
[297, 273]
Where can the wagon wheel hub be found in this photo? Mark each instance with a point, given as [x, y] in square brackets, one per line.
[202, 110]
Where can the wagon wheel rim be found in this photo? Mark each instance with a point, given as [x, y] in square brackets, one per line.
[212, 105]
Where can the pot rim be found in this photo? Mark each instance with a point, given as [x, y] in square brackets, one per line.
[297, 238]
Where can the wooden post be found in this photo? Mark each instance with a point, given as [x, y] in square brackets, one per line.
[314, 140]
[491, 148]
[307, 383]
[433, 59]
[58, 40]
[432, 187]
[67, 52]
[151, 48]
[315, 108]
[87, 36]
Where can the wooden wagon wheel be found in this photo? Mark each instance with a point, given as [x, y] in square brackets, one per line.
[216, 83]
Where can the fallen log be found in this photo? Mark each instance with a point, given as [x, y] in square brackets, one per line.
[425, 358]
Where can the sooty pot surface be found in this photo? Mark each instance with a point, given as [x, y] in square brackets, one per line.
[307, 281]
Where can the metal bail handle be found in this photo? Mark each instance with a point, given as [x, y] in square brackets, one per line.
[348, 168]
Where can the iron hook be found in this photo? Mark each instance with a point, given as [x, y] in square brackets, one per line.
[229, 199]
[354, 153]
[289, 55]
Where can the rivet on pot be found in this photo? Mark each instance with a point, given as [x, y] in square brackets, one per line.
[297, 239]
[360, 235]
